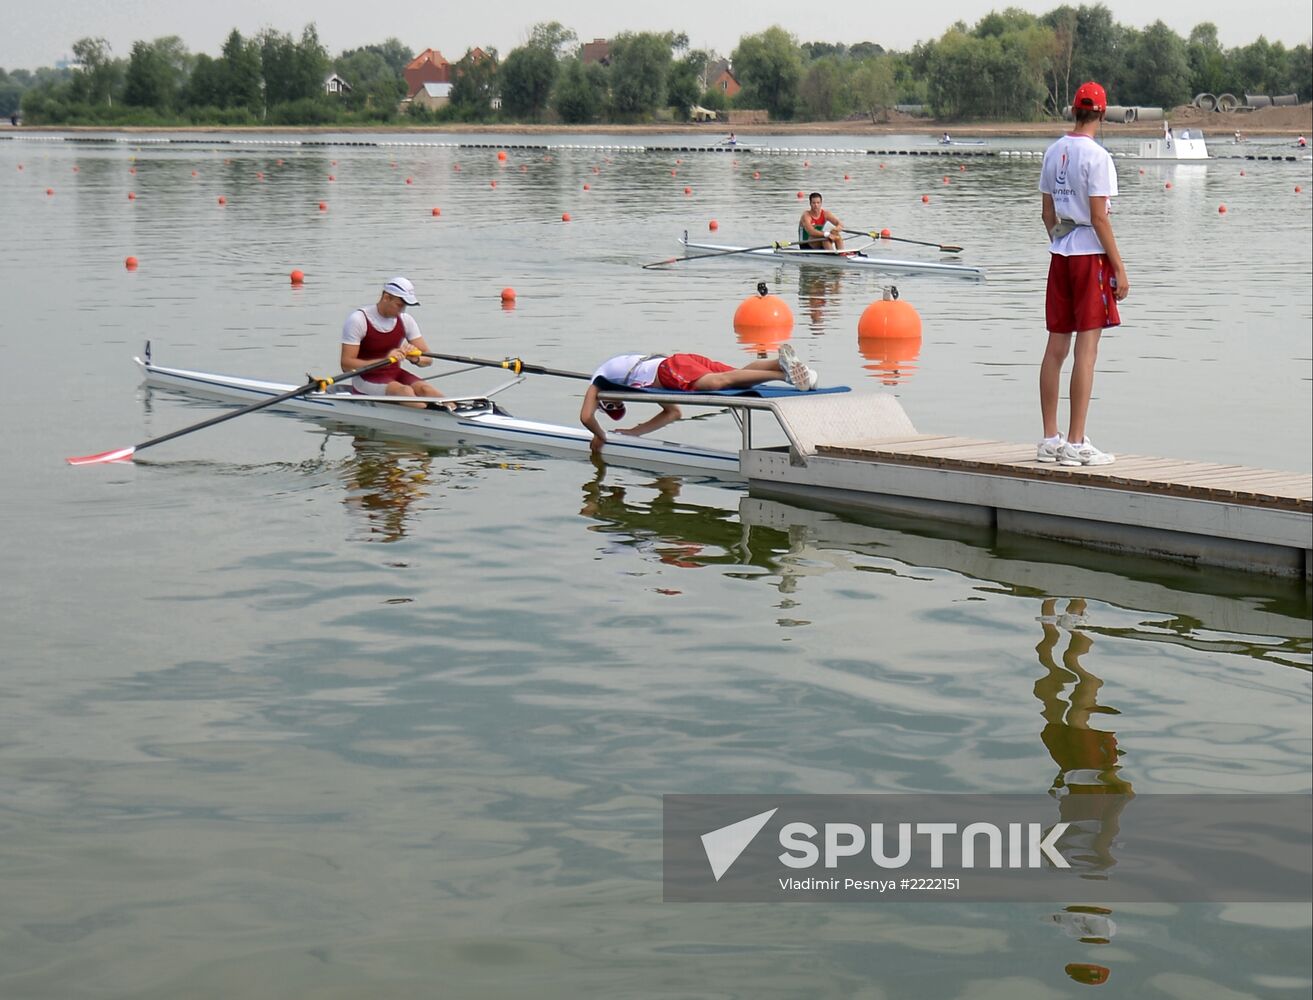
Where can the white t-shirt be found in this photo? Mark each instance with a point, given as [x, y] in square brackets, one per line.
[1076, 169]
[630, 369]
[353, 330]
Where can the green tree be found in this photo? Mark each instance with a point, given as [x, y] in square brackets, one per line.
[552, 36]
[1099, 49]
[474, 84]
[527, 78]
[684, 85]
[1207, 59]
[156, 74]
[873, 87]
[640, 64]
[243, 73]
[824, 89]
[310, 65]
[769, 66]
[581, 92]
[1158, 70]
[99, 72]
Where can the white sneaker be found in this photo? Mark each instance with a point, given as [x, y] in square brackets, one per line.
[1084, 454]
[1049, 451]
[795, 372]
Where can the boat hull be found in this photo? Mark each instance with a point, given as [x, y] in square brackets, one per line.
[477, 421]
[857, 260]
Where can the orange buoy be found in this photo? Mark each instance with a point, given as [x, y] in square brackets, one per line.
[1298, 189]
[756, 175]
[806, 163]
[946, 178]
[881, 166]
[456, 167]
[508, 294]
[763, 321]
[410, 180]
[1221, 210]
[130, 263]
[846, 177]
[501, 155]
[801, 195]
[1242, 173]
[132, 196]
[132, 170]
[885, 234]
[323, 206]
[492, 183]
[565, 216]
[193, 173]
[674, 173]
[50, 190]
[223, 200]
[298, 277]
[1168, 185]
[588, 187]
[436, 211]
[713, 225]
[679, 163]
[962, 167]
[688, 190]
[925, 199]
[889, 317]
[76, 169]
[331, 177]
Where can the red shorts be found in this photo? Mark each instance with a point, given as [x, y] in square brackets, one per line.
[680, 371]
[1080, 294]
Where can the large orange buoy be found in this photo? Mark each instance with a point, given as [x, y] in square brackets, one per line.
[763, 321]
[889, 317]
[130, 263]
[298, 277]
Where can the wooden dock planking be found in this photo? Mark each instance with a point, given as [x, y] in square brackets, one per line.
[1131, 473]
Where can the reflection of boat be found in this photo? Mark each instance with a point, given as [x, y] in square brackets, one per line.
[792, 254]
[475, 418]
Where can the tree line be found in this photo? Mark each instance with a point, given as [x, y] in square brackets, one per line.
[1011, 65]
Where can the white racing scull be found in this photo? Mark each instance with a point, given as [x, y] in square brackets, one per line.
[855, 257]
[476, 419]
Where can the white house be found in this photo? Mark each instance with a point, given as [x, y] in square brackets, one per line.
[334, 84]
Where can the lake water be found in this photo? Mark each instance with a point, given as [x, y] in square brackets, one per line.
[295, 712]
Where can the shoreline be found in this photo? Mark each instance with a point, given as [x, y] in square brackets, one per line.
[1278, 122]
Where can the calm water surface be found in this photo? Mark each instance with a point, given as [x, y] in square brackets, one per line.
[294, 712]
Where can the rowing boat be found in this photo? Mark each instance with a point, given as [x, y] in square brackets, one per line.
[856, 257]
[476, 419]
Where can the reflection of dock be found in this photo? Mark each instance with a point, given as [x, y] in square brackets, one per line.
[1227, 606]
[860, 450]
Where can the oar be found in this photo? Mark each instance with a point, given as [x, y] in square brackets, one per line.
[941, 247]
[510, 364]
[723, 253]
[122, 454]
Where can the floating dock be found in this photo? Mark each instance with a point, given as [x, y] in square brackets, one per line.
[861, 451]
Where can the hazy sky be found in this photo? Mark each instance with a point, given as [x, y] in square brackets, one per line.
[38, 32]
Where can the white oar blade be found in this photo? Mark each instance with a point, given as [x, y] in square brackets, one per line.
[118, 455]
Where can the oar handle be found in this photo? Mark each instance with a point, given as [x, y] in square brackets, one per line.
[514, 365]
[876, 235]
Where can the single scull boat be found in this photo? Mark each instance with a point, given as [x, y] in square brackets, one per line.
[856, 257]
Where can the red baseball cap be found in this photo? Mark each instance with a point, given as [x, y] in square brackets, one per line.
[1091, 97]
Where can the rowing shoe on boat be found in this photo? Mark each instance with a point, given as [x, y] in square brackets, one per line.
[856, 257]
[473, 419]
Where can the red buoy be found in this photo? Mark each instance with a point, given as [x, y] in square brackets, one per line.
[223, 200]
[323, 206]
[409, 180]
[130, 263]
[436, 212]
[565, 216]
[132, 196]
[713, 225]
[688, 190]
[1221, 210]
[588, 187]
[508, 294]
[925, 199]
[298, 277]
[501, 155]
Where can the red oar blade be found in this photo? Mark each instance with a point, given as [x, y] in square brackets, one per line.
[118, 455]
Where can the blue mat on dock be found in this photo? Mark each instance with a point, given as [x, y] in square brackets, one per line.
[763, 391]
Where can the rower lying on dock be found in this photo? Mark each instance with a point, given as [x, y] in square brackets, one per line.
[680, 373]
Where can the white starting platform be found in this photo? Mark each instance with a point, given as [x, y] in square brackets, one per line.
[1174, 149]
[861, 451]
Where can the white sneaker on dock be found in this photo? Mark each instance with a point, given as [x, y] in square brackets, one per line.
[1050, 449]
[1084, 454]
